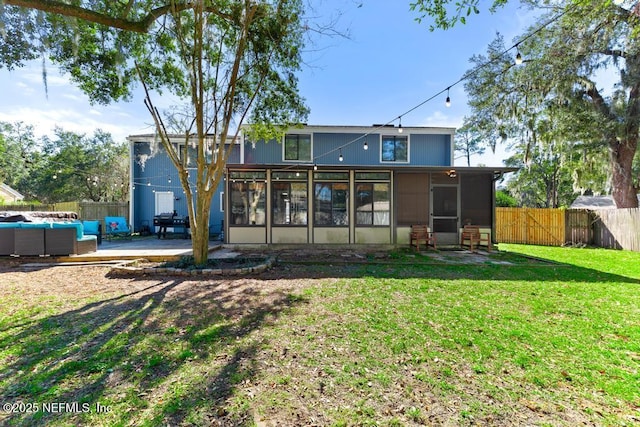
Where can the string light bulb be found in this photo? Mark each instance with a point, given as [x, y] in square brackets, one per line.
[315, 167]
[518, 56]
[400, 124]
[448, 100]
[340, 158]
[365, 146]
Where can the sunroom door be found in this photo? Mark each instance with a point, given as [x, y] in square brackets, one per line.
[445, 213]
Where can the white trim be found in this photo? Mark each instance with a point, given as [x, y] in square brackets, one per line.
[132, 164]
[374, 130]
[243, 141]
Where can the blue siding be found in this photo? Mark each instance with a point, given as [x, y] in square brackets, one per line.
[425, 150]
[431, 150]
[157, 172]
[326, 149]
[262, 153]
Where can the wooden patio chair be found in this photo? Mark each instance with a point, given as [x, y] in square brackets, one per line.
[420, 233]
[474, 237]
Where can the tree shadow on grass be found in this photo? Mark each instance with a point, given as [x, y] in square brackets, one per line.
[445, 265]
[171, 352]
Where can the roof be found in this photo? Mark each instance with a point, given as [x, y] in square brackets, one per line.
[4, 188]
[176, 138]
[595, 202]
[498, 171]
[373, 129]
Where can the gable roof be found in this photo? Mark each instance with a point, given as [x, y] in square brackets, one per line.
[13, 194]
[595, 202]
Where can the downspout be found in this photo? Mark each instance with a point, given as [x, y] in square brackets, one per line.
[496, 176]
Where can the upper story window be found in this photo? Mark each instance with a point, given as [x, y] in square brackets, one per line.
[395, 149]
[297, 147]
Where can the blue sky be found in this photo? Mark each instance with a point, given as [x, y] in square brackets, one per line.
[388, 65]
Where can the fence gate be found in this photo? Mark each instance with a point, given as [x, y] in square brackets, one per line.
[530, 226]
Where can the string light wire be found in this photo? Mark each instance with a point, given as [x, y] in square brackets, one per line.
[464, 77]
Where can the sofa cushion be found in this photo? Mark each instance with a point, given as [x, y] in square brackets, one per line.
[35, 225]
[9, 225]
[91, 227]
[76, 225]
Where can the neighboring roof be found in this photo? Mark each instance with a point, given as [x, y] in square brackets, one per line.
[4, 188]
[595, 202]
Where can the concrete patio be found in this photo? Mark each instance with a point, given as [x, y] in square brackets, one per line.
[149, 247]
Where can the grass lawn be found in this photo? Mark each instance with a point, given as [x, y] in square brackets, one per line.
[526, 336]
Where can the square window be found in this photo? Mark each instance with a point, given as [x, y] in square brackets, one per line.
[297, 147]
[395, 149]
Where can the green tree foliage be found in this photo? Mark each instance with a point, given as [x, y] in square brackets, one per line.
[505, 200]
[78, 167]
[553, 101]
[544, 181]
[230, 61]
[18, 155]
[447, 13]
[69, 167]
[470, 140]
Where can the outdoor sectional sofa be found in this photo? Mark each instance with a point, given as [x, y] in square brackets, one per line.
[45, 238]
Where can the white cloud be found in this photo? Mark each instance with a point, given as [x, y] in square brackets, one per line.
[438, 118]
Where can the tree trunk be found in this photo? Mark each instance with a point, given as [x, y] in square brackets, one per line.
[200, 231]
[623, 191]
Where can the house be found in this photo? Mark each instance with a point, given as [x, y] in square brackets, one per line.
[595, 202]
[330, 185]
[9, 195]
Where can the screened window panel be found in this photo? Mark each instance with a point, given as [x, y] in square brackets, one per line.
[289, 203]
[331, 204]
[248, 203]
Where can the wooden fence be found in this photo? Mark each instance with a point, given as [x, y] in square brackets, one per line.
[617, 228]
[530, 226]
[607, 228]
[95, 210]
[23, 207]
